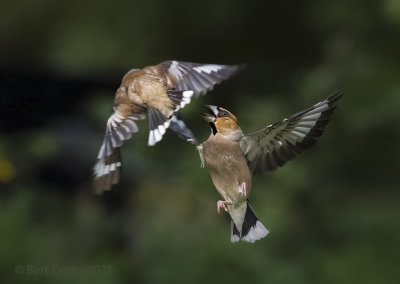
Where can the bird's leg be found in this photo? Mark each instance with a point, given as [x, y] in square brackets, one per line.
[243, 188]
[222, 204]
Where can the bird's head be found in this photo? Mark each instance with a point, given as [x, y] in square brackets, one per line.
[221, 121]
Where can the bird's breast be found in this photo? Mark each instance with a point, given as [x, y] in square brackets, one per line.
[228, 169]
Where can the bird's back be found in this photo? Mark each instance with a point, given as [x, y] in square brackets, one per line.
[147, 87]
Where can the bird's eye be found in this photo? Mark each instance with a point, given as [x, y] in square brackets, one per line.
[223, 113]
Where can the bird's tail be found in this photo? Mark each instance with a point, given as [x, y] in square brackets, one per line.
[252, 229]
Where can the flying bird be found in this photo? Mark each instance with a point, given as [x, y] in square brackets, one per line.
[160, 91]
[232, 157]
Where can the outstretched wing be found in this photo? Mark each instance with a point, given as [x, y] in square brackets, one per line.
[197, 77]
[120, 127]
[107, 170]
[280, 142]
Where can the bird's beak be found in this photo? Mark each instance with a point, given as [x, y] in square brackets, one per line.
[212, 114]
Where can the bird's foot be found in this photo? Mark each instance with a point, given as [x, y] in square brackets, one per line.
[222, 204]
[243, 188]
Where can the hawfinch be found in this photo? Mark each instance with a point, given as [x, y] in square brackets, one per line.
[233, 157]
[159, 90]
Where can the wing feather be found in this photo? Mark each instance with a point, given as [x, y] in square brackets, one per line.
[278, 143]
[197, 77]
[120, 127]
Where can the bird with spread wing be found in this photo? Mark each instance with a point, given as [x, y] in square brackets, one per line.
[232, 157]
[160, 90]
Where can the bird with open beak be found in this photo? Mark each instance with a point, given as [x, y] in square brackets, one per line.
[232, 157]
[159, 90]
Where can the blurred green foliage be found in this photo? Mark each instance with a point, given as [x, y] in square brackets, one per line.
[332, 212]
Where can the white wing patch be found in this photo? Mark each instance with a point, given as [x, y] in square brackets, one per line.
[308, 121]
[156, 135]
[321, 108]
[187, 95]
[298, 134]
[174, 69]
[312, 116]
[208, 68]
[197, 77]
[101, 169]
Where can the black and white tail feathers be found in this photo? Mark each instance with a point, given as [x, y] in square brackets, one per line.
[252, 229]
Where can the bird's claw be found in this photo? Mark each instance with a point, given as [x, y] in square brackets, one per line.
[221, 204]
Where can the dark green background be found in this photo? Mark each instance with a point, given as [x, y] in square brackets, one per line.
[333, 212]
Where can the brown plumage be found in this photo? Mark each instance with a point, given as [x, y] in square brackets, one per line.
[159, 90]
[233, 157]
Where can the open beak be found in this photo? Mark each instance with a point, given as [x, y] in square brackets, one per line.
[212, 114]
